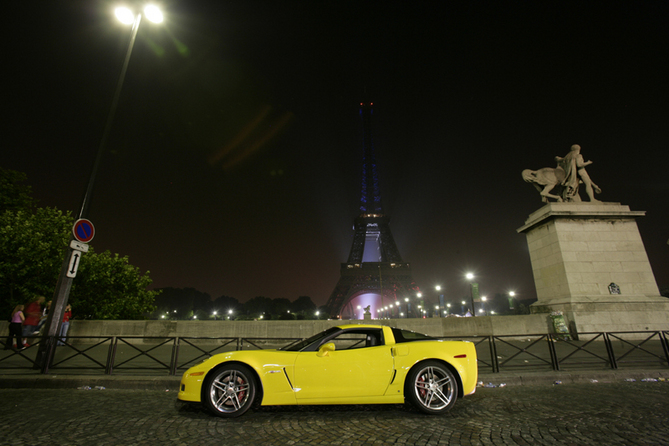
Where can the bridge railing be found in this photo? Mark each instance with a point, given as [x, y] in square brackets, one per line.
[140, 355]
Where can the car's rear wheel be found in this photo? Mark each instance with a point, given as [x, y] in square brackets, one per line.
[431, 387]
[230, 390]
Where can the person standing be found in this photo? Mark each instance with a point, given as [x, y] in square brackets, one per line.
[33, 314]
[65, 325]
[15, 328]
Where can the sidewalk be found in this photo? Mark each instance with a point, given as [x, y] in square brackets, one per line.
[171, 383]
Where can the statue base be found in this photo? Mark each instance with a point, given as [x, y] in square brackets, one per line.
[589, 262]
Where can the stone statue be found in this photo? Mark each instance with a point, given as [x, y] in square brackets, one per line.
[565, 178]
[367, 309]
[574, 167]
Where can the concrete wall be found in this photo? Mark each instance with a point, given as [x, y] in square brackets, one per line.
[452, 326]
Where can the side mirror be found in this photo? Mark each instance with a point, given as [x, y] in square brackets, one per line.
[325, 349]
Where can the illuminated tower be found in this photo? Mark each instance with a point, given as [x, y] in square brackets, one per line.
[374, 274]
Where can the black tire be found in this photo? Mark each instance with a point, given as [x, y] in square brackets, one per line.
[431, 387]
[229, 391]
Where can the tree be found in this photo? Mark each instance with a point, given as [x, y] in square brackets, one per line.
[222, 305]
[32, 245]
[33, 242]
[14, 195]
[182, 303]
[303, 305]
[109, 287]
[258, 306]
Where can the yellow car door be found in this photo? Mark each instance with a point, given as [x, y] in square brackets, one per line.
[333, 373]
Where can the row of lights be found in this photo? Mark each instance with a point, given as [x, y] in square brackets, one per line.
[468, 276]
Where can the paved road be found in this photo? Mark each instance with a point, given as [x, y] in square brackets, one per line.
[623, 413]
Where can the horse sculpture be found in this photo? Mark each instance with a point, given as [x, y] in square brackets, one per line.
[547, 179]
[565, 178]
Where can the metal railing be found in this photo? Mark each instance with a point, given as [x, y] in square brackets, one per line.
[172, 355]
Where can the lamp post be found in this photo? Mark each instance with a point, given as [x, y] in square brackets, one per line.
[483, 300]
[472, 285]
[511, 296]
[441, 298]
[64, 284]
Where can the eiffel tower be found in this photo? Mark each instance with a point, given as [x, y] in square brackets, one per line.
[375, 274]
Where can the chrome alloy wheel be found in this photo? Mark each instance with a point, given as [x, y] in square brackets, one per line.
[231, 391]
[433, 388]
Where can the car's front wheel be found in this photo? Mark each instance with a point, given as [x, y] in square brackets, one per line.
[431, 387]
[230, 390]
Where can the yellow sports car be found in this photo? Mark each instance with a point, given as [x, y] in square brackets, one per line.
[349, 364]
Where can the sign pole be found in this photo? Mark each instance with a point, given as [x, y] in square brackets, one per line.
[83, 231]
[55, 319]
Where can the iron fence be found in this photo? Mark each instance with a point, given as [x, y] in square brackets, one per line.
[139, 355]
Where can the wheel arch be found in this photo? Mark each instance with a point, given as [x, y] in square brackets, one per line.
[458, 379]
[259, 394]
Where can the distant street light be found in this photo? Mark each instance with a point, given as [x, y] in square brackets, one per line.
[440, 297]
[470, 277]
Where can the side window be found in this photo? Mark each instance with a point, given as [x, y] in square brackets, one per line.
[357, 339]
[409, 336]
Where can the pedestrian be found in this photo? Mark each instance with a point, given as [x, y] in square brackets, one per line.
[15, 328]
[45, 316]
[65, 325]
[33, 313]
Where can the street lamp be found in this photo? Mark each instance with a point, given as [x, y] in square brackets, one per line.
[511, 296]
[483, 300]
[470, 277]
[64, 284]
[441, 296]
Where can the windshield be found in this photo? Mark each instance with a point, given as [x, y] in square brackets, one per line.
[299, 345]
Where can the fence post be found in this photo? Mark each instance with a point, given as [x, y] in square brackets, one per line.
[49, 350]
[111, 356]
[665, 344]
[551, 348]
[175, 356]
[493, 354]
[609, 350]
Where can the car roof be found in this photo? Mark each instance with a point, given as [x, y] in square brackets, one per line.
[346, 326]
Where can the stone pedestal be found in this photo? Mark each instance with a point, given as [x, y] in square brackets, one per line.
[589, 262]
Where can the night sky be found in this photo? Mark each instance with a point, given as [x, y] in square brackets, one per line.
[233, 164]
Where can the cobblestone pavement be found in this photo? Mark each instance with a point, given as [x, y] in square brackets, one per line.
[622, 413]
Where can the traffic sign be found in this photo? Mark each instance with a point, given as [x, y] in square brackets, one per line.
[83, 230]
[83, 247]
[74, 263]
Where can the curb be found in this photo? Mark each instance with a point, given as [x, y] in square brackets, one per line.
[167, 383]
[563, 377]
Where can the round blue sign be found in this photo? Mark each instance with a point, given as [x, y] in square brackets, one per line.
[83, 230]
